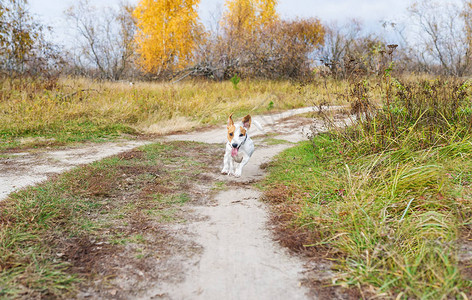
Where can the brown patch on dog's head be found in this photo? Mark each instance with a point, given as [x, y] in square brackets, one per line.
[247, 121]
[231, 128]
[243, 131]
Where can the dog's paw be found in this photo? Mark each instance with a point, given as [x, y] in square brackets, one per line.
[237, 173]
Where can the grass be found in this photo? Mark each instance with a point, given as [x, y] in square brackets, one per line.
[389, 198]
[76, 109]
[273, 141]
[49, 233]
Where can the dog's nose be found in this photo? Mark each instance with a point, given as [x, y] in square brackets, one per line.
[235, 145]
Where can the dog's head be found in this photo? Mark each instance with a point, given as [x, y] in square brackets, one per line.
[237, 134]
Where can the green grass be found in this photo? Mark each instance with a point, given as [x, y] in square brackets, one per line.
[273, 141]
[388, 198]
[395, 217]
[113, 201]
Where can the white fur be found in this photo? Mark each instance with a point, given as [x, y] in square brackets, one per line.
[244, 153]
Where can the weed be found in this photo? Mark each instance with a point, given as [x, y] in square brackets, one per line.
[235, 80]
[393, 220]
[219, 185]
[422, 114]
[387, 197]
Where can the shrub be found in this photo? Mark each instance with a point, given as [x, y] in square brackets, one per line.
[418, 115]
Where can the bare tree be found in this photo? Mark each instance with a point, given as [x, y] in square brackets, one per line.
[348, 50]
[338, 40]
[441, 37]
[106, 38]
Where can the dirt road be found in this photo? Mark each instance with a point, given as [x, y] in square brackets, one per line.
[22, 169]
[19, 170]
[239, 259]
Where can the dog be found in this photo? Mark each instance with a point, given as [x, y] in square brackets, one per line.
[239, 147]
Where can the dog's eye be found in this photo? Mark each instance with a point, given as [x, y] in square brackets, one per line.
[241, 134]
[231, 134]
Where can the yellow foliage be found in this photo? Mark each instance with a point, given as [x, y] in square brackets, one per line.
[168, 33]
[246, 16]
[267, 13]
[467, 17]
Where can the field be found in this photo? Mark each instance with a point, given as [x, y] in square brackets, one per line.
[112, 138]
[385, 199]
[76, 110]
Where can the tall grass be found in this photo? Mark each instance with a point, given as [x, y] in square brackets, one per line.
[390, 193]
[419, 114]
[76, 109]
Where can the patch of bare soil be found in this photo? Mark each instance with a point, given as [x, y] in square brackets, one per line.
[124, 271]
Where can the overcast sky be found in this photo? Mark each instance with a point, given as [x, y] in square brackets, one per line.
[370, 12]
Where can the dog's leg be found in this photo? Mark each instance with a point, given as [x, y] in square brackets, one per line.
[227, 168]
[231, 165]
[239, 170]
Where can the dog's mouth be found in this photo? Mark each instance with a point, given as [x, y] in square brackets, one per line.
[234, 152]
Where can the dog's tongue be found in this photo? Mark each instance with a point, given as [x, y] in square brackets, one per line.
[234, 152]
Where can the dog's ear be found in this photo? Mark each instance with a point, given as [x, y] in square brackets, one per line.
[247, 121]
[230, 121]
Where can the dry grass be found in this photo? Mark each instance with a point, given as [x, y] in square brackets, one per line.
[78, 109]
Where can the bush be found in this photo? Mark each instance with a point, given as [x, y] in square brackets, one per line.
[417, 115]
[279, 50]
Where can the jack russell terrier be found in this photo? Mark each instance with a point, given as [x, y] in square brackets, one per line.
[239, 147]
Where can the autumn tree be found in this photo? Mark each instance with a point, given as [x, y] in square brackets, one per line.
[23, 47]
[267, 46]
[243, 19]
[168, 33]
[245, 16]
[3, 25]
[18, 34]
[243, 22]
[466, 15]
[293, 44]
[255, 42]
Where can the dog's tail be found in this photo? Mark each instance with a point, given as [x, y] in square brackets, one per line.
[258, 125]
